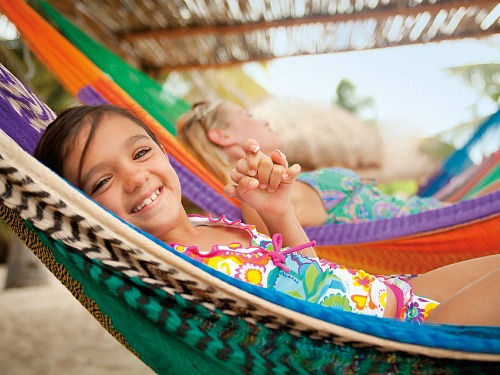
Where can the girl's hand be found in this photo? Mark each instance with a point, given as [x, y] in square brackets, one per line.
[263, 182]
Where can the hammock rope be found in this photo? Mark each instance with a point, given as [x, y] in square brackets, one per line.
[165, 306]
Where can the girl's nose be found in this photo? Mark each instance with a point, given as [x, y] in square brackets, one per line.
[135, 178]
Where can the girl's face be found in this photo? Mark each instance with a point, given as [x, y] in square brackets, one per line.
[241, 126]
[125, 171]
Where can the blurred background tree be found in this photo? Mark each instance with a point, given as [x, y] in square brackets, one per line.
[484, 79]
[346, 96]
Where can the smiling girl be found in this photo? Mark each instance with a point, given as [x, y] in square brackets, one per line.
[116, 160]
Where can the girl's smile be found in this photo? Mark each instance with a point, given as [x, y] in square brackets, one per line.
[148, 202]
[130, 175]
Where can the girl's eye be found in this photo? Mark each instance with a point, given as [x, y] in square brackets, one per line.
[142, 152]
[99, 184]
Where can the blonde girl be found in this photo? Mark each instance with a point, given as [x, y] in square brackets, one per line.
[214, 132]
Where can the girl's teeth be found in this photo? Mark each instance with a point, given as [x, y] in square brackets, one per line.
[147, 201]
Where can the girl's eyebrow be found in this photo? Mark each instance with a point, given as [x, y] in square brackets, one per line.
[101, 165]
[129, 142]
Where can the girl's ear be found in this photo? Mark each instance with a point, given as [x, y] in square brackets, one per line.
[163, 149]
[219, 137]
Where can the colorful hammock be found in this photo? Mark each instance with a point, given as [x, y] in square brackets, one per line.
[459, 161]
[148, 93]
[181, 317]
[477, 180]
[412, 244]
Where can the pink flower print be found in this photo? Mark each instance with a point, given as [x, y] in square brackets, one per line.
[251, 273]
[363, 279]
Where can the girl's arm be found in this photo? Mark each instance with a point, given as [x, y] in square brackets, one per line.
[291, 230]
[264, 183]
[250, 215]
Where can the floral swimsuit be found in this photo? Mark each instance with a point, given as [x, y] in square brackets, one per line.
[348, 199]
[264, 263]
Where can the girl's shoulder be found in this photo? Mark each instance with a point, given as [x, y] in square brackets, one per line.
[197, 220]
[256, 238]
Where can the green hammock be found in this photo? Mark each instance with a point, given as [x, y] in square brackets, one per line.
[181, 317]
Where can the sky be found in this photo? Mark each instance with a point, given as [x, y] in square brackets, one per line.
[412, 91]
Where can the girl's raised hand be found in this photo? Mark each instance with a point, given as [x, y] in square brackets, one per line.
[263, 182]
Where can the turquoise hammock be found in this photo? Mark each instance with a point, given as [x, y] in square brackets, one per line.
[459, 161]
[181, 317]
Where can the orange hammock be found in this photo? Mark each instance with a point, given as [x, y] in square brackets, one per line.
[402, 245]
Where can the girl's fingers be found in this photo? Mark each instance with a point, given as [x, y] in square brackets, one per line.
[235, 175]
[264, 171]
[279, 158]
[291, 173]
[255, 165]
[251, 148]
[246, 184]
[231, 191]
[276, 178]
[269, 172]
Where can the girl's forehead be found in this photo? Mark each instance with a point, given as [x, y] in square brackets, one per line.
[110, 129]
[236, 111]
[117, 120]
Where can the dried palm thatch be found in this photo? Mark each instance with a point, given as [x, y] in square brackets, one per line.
[404, 159]
[318, 135]
[162, 35]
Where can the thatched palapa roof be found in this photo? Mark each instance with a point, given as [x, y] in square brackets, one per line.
[163, 35]
[320, 135]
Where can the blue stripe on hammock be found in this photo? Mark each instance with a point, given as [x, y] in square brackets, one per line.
[462, 338]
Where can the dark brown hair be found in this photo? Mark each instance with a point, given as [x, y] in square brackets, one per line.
[59, 137]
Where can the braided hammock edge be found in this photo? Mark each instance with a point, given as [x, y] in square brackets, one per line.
[44, 253]
[93, 229]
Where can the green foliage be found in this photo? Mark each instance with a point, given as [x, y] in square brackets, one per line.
[347, 98]
[484, 77]
[436, 148]
[401, 188]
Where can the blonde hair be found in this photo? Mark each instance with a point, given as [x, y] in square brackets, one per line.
[192, 132]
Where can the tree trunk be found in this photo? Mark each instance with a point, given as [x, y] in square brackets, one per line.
[24, 268]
